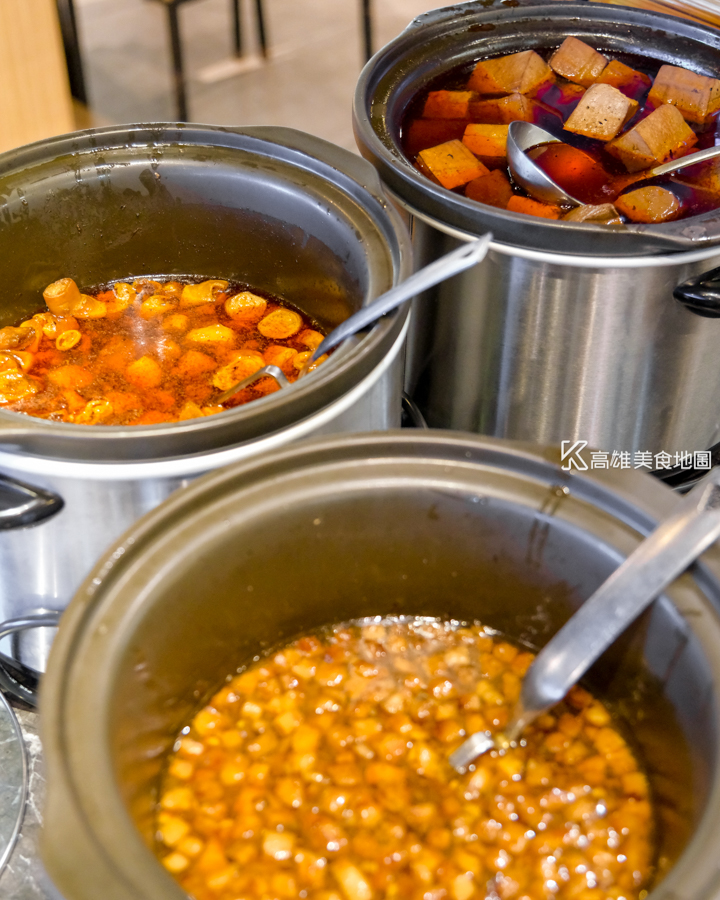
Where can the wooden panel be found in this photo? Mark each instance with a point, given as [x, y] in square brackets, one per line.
[34, 91]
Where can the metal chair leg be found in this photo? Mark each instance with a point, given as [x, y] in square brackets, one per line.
[262, 33]
[237, 33]
[178, 74]
[367, 28]
[71, 44]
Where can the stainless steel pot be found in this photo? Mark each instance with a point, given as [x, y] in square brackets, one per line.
[566, 331]
[430, 523]
[275, 208]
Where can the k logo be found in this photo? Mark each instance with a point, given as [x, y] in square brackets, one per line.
[570, 455]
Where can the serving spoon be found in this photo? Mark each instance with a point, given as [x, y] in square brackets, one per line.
[523, 136]
[676, 542]
[440, 269]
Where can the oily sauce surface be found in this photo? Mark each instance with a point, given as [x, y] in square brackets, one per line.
[148, 351]
[321, 772]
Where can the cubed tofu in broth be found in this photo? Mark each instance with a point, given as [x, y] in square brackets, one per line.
[451, 164]
[601, 113]
[521, 73]
[697, 97]
[578, 62]
[494, 189]
[488, 142]
[448, 104]
[503, 110]
[664, 134]
[626, 79]
[651, 204]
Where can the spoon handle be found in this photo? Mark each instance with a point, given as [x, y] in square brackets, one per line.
[661, 557]
[690, 160]
[456, 261]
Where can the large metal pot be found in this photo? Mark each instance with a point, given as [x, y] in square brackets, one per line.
[565, 331]
[427, 523]
[275, 208]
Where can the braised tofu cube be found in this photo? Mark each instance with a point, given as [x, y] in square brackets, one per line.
[494, 189]
[578, 62]
[598, 214]
[631, 82]
[601, 113]
[488, 142]
[424, 133]
[696, 96]
[451, 164]
[448, 104]
[664, 134]
[503, 110]
[520, 73]
[650, 205]
[533, 207]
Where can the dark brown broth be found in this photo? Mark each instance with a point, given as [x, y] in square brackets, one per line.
[558, 100]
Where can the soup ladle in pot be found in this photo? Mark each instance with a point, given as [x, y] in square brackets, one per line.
[446, 266]
[523, 136]
[659, 559]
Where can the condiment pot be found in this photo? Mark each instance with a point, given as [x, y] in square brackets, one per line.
[566, 331]
[419, 523]
[274, 208]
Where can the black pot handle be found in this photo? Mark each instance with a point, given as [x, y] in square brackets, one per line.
[23, 504]
[16, 679]
[701, 294]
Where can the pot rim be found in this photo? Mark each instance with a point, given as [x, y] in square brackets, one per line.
[684, 257]
[404, 66]
[351, 177]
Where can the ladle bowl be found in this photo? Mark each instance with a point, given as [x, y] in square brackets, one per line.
[523, 136]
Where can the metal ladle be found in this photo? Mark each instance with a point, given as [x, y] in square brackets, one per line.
[661, 557]
[522, 136]
[451, 264]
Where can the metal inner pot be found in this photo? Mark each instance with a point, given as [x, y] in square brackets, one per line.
[277, 209]
[430, 524]
[452, 36]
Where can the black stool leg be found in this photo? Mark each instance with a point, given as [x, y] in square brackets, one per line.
[178, 74]
[71, 45]
[367, 29]
[237, 33]
[261, 27]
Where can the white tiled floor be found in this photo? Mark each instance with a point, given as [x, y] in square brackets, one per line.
[307, 83]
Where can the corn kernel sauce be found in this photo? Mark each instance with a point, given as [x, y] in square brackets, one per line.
[321, 772]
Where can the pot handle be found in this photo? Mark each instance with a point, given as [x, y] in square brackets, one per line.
[16, 679]
[701, 294]
[23, 504]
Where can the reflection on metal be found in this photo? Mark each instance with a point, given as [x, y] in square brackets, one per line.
[13, 780]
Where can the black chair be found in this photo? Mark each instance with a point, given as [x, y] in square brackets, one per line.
[176, 45]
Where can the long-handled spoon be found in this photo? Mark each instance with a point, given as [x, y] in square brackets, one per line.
[451, 264]
[523, 136]
[661, 557]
